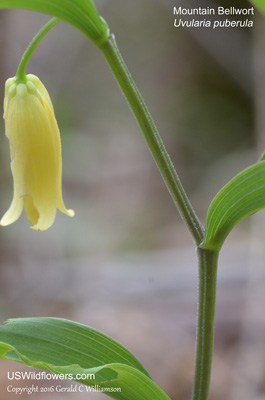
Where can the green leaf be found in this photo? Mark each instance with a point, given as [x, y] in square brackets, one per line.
[260, 4]
[239, 198]
[81, 14]
[65, 347]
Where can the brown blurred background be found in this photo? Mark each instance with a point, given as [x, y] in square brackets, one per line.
[125, 264]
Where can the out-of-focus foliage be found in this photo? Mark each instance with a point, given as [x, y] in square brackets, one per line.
[259, 4]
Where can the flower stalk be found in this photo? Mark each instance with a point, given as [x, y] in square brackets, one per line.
[21, 70]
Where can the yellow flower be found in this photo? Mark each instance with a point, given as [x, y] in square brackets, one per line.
[35, 148]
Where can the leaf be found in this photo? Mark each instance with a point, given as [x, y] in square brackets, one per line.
[239, 198]
[260, 4]
[81, 14]
[65, 347]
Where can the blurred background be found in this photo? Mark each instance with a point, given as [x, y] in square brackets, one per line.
[125, 263]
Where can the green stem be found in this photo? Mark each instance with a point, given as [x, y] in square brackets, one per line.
[154, 141]
[21, 71]
[205, 324]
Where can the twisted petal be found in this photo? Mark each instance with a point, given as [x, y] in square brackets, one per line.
[14, 211]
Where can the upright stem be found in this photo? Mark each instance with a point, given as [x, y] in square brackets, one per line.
[205, 323]
[154, 141]
[207, 259]
[21, 70]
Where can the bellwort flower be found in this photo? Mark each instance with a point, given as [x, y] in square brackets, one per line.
[35, 148]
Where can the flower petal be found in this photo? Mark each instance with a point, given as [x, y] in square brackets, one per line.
[30, 210]
[62, 208]
[47, 104]
[41, 89]
[46, 216]
[14, 211]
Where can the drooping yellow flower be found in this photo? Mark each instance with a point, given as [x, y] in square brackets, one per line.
[35, 148]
